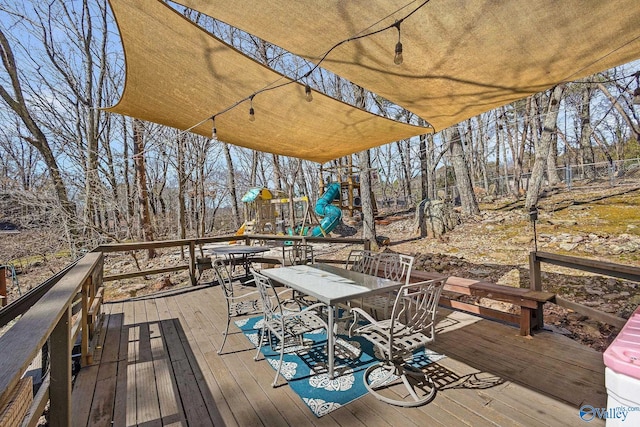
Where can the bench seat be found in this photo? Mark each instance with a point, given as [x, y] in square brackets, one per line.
[529, 301]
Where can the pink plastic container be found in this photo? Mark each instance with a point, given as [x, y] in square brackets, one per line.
[622, 374]
[623, 355]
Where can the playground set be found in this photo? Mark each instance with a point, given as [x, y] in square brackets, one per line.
[264, 209]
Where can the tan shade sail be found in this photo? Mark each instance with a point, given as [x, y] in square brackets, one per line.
[178, 75]
[461, 57]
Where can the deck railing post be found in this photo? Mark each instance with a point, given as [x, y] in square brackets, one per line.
[60, 373]
[535, 276]
[192, 262]
[84, 322]
[3, 286]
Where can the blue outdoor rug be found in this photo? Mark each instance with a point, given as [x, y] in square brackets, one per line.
[305, 367]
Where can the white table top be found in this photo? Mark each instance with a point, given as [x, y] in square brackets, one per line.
[328, 283]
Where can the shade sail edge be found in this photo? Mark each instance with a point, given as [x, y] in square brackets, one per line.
[178, 75]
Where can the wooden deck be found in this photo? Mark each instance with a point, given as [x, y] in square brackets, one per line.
[158, 365]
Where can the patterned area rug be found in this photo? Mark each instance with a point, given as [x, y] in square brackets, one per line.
[305, 366]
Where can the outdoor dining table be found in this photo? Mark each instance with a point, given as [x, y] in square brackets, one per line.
[331, 285]
[241, 253]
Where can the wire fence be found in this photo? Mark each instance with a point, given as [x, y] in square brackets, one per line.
[613, 173]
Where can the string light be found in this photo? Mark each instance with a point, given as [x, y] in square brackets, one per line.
[636, 93]
[214, 132]
[252, 113]
[398, 59]
[307, 92]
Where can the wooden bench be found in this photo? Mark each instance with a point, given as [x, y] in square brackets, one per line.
[530, 302]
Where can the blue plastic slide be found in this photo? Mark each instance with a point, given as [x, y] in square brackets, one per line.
[332, 214]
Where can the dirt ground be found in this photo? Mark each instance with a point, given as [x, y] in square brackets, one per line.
[595, 221]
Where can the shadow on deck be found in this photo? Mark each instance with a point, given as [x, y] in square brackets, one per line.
[158, 365]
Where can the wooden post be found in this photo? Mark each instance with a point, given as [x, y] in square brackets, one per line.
[192, 262]
[3, 286]
[60, 373]
[84, 323]
[535, 276]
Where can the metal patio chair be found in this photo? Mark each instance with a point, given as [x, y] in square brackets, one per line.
[283, 324]
[301, 253]
[241, 300]
[410, 327]
[392, 266]
[363, 261]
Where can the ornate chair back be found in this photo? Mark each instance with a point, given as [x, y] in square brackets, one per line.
[363, 261]
[395, 266]
[301, 254]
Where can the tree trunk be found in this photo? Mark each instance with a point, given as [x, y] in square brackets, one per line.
[254, 169]
[432, 164]
[231, 182]
[182, 182]
[498, 144]
[143, 193]
[127, 187]
[424, 169]
[482, 152]
[586, 131]
[552, 169]
[463, 180]
[364, 160]
[542, 153]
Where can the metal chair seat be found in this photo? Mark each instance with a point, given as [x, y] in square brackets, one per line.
[410, 327]
[285, 325]
[241, 300]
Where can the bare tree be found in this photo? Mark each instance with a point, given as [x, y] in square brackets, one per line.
[463, 180]
[368, 222]
[424, 167]
[141, 175]
[584, 111]
[623, 104]
[38, 138]
[542, 151]
[231, 183]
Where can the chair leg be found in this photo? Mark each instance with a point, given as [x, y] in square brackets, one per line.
[225, 333]
[275, 380]
[260, 340]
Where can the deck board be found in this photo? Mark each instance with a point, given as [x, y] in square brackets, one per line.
[159, 365]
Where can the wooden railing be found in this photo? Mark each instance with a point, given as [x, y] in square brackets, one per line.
[50, 320]
[196, 244]
[68, 305]
[620, 271]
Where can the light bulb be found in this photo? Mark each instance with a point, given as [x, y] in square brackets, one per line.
[636, 96]
[214, 135]
[398, 59]
[252, 115]
[308, 94]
